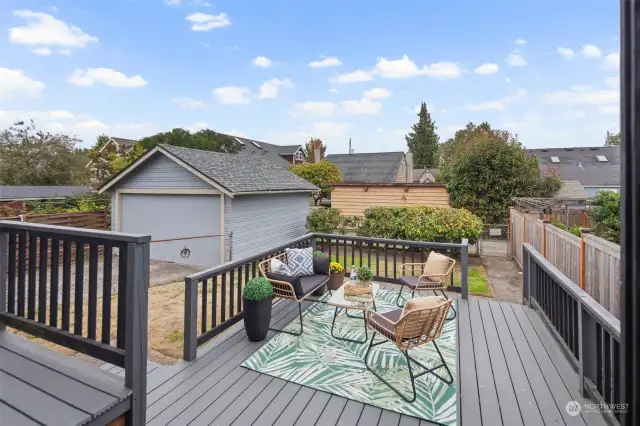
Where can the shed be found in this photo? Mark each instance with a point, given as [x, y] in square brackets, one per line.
[372, 166]
[204, 208]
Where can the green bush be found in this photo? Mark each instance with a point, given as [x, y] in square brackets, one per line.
[421, 223]
[324, 221]
[364, 274]
[257, 289]
[319, 254]
[575, 230]
[348, 223]
[606, 215]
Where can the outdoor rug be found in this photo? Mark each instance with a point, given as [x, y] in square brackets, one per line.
[319, 361]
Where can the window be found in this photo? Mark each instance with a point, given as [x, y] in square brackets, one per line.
[256, 144]
[239, 141]
[601, 159]
[555, 160]
[298, 156]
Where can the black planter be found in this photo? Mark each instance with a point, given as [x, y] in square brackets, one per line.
[257, 316]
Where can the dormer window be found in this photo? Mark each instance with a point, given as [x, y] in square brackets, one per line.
[601, 159]
[555, 160]
[298, 156]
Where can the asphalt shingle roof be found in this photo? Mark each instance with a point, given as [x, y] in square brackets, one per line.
[368, 167]
[15, 193]
[267, 150]
[581, 164]
[241, 172]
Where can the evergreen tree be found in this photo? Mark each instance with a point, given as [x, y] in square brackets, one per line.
[423, 140]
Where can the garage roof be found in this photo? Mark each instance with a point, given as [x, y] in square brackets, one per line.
[233, 173]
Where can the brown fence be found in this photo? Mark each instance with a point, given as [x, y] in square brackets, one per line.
[517, 229]
[602, 272]
[563, 250]
[88, 220]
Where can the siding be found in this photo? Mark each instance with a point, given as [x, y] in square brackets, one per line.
[261, 222]
[354, 199]
[161, 172]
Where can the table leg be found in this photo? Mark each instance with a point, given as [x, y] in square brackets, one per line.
[344, 339]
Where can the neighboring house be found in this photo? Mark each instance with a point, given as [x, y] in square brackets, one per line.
[595, 168]
[571, 190]
[374, 166]
[119, 146]
[237, 204]
[280, 154]
[425, 175]
[15, 197]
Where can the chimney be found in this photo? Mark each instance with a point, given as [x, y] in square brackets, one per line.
[409, 159]
[316, 154]
[350, 151]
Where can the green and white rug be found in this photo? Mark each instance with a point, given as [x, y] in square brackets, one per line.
[321, 362]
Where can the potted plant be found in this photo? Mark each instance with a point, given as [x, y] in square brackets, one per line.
[321, 267]
[362, 288]
[257, 296]
[364, 275]
[336, 277]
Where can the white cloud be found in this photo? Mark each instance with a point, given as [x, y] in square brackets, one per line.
[198, 126]
[262, 62]
[565, 52]
[591, 51]
[406, 68]
[499, 104]
[235, 133]
[609, 109]
[187, 103]
[507, 79]
[206, 22]
[362, 107]
[328, 129]
[173, 2]
[231, 95]
[377, 93]
[106, 76]
[515, 59]
[270, 88]
[353, 77]
[310, 108]
[486, 69]
[528, 120]
[613, 82]
[329, 61]
[43, 29]
[65, 52]
[582, 95]
[613, 60]
[42, 51]
[521, 41]
[13, 82]
[334, 90]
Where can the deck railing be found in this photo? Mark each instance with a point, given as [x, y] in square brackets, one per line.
[213, 298]
[58, 283]
[588, 334]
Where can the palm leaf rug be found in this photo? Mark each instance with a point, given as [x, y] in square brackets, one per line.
[319, 361]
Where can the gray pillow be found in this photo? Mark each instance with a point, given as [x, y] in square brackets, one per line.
[300, 262]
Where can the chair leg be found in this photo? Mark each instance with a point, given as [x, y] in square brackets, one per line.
[399, 296]
[293, 333]
[432, 370]
[452, 308]
[411, 376]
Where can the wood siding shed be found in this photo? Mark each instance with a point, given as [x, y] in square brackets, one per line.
[352, 199]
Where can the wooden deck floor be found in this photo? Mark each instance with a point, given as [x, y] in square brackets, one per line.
[511, 373]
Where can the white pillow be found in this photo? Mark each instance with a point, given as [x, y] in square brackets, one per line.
[277, 266]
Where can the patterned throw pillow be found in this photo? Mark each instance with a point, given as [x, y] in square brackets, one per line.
[300, 262]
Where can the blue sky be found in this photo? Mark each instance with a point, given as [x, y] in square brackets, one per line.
[283, 71]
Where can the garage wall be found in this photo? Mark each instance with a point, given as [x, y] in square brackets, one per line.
[261, 222]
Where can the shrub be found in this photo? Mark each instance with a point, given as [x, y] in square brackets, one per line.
[257, 289]
[319, 254]
[364, 274]
[335, 268]
[322, 175]
[421, 223]
[324, 221]
[606, 215]
[575, 230]
[348, 223]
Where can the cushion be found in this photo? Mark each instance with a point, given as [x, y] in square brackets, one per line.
[436, 264]
[422, 303]
[295, 282]
[321, 265]
[300, 262]
[311, 283]
[277, 266]
[392, 316]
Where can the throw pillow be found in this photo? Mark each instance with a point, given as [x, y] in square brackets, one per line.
[294, 281]
[300, 262]
[422, 303]
[321, 265]
[436, 264]
[277, 266]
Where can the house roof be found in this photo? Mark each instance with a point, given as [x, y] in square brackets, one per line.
[125, 143]
[233, 173]
[368, 167]
[418, 173]
[571, 189]
[582, 164]
[17, 193]
[267, 150]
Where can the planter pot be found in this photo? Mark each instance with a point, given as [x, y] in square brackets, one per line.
[320, 291]
[336, 280]
[257, 316]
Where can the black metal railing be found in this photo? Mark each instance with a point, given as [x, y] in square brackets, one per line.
[587, 332]
[213, 298]
[82, 289]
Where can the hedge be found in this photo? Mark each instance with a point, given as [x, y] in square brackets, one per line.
[421, 223]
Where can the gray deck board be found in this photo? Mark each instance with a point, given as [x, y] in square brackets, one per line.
[468, 380]
[333, 411]
[295, 407]
[314, 409]
[351, 413]
[259, 404]
[409, 421]
[278, 405]
[369, 416]
[9, 416]
[389, 418]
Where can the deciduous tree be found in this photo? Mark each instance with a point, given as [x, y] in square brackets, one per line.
[423, 140]
[606, 215]
[322, 175]
[612, 139]
[309, 147]
[205, 139]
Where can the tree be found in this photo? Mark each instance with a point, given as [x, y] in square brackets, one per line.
[485, 172]
[32, 157]
[612, 139]
[423, 140]
[322, 175]
[462, 137]
[205, 139]
[606, 215]
[309, 147]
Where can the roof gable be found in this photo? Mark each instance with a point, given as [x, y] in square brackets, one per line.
[368, 167]
[266, 150]
[582, 164]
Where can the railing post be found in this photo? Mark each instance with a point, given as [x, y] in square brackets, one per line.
[4, 264]
[544, 238]
[583, 254]
[526, 277]
[135, 359]
[586, 349]
[464, 266]
[191, 319]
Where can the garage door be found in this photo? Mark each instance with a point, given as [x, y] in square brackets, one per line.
[183, 228]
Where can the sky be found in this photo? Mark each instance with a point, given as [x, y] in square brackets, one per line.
[284, 71]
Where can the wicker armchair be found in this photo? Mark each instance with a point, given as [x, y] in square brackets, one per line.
[287, 290]
[434, 275]
[407, 330]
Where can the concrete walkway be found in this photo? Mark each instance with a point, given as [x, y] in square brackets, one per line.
[505, 278]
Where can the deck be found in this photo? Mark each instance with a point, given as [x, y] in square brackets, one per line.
[511, 372]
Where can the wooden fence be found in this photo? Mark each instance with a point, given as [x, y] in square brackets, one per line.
[88, 220]
[589, 261]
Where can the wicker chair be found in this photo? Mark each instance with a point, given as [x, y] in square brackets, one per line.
[286, 290]
[434, 275]
[406, 331]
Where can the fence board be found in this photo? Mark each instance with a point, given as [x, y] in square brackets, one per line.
[88, 220]
[563, 250]
[602, 272]
[516, 222]
[533, 235]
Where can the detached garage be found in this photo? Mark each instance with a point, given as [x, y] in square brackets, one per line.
[204, 208]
